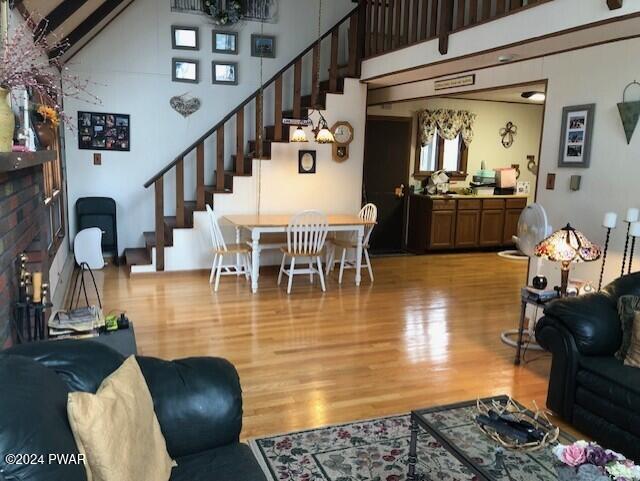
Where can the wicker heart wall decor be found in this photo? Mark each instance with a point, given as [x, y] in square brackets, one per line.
[185, 105]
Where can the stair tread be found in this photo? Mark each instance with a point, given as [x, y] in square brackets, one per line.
[231, 173]
[150, 240]
[214, 189]
[137, 256]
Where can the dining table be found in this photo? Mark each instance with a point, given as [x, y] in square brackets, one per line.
[258, 224]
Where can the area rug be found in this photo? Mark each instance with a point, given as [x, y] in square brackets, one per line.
[373, 450]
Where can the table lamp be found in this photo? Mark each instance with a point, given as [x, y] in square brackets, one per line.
[567, 246]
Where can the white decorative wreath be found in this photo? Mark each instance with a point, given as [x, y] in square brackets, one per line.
[224, 16]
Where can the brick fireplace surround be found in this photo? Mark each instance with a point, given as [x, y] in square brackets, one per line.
[22, 229]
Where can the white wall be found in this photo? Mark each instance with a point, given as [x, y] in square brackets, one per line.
[278, 188]
[487, 143]
[130, 65]
[553, 16]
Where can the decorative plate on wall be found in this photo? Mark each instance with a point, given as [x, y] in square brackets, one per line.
[307, 162]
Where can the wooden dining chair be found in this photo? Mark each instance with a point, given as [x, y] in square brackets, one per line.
[306, 235]
[369, 214]
[241, 253]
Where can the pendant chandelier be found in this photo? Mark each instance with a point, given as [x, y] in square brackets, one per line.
[321, 130]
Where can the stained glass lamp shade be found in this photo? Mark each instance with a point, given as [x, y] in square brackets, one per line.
[567, 246]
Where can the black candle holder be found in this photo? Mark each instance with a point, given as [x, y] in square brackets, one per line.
[633, 248]
[604, 258]
[626, 249]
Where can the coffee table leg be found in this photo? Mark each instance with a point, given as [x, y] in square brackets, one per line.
[413, 451]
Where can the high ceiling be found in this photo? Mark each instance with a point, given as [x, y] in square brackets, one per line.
[77, 21]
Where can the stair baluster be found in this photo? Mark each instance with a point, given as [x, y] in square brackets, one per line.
[159, 241]
[200, 201]
[220, 159]
[297, 89]
[259, 126]
[240, 141]
[333, 69]
[180, 194]
[277, 105]
[315, 76]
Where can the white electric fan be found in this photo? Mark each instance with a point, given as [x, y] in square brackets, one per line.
[533, 227]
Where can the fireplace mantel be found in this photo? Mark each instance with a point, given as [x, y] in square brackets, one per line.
[12, 161]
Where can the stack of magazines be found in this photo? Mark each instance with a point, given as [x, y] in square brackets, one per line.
[77, 323]
[539, 295]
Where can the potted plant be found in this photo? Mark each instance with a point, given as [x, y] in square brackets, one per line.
[47, 121]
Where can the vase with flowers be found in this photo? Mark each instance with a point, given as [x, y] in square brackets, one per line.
[26, 68]
[584, 461]
[47, 121]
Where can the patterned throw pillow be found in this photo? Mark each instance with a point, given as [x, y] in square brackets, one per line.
[633, 355]
[627, 308]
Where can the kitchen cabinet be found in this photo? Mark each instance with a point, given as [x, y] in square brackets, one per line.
[459, 222]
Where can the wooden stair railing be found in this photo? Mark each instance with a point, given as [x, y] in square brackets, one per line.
[394, 24]
[261, 147]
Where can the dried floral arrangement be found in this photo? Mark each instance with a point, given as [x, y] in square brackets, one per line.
[582, 457]
[538, 419]
[224, 16]
[25, 65]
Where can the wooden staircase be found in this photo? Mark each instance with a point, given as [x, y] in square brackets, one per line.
[259, 148]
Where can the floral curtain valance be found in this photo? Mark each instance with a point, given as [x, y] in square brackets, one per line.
[449, 123]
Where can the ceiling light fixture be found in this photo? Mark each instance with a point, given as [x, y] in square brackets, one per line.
[534, 96]
[299, 135]
[321, 132]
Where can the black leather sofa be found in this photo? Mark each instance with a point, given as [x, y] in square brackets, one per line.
[198, 402]
[588, 387]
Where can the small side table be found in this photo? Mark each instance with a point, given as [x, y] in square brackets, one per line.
[527, 297]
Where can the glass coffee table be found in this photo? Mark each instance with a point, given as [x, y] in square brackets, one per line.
[480, 457]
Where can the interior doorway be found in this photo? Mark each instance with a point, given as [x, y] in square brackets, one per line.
[471, 138]
[386, 175]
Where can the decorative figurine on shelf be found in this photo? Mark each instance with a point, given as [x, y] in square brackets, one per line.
[539, 282]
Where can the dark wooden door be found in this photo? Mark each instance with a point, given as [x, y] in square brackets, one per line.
[467, 228]
[386, 171]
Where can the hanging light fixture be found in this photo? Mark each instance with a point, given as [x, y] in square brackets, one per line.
[299, 135]
[320, 131]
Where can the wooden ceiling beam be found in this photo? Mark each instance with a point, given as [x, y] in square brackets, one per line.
[59, 15]
[91, 22]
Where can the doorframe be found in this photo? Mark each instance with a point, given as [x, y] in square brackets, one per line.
[405, 200]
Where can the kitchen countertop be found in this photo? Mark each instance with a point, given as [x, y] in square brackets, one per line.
[461, 196]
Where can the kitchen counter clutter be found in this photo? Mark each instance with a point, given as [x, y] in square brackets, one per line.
[450, 222]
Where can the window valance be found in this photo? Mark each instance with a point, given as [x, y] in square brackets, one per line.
[449, 123]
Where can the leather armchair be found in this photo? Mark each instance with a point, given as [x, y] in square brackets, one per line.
[198, 402]
[588, 387]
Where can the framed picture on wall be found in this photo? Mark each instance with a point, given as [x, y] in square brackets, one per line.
[224, 73]
[185, 38]
[575, 140]
[185, 70]
[263, 46]
[225, 42]
[307, 162]
[104, 131]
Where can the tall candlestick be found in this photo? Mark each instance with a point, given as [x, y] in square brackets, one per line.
[626, 247]
[632, 215]
[634, 231]
[604, 258]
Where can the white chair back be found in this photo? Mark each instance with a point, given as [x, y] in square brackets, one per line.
[87, 248]
[214, 229]
[307, 232]
[368, 213]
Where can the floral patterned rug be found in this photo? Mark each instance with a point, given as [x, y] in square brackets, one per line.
[377, 450]
[374, 450]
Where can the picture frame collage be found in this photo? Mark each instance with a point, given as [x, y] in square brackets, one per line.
[104, 131]
[224, 42]
[575, 140]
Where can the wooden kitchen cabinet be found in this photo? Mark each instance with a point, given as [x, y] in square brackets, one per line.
[442, 229]
[462, 222]
[467, 228]
[491, 228]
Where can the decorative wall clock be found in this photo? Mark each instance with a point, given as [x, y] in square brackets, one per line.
[343, 135]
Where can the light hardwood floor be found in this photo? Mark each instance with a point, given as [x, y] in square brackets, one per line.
[426, 333]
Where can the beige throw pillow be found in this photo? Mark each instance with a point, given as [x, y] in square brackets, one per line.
[117, 429]
[633, 354]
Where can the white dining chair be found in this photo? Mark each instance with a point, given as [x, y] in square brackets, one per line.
[306, 235]
[369, 214]
[240, 253]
